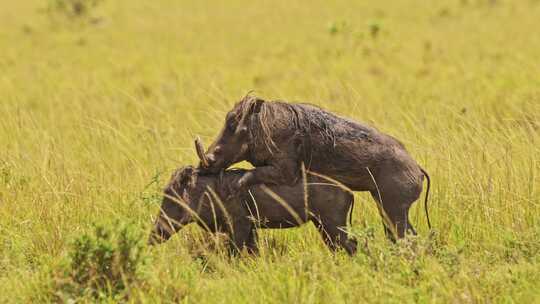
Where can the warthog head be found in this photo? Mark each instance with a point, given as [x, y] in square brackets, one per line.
[175, 210]
[232, 143]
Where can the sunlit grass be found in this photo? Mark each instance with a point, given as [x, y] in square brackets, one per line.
[96, 115]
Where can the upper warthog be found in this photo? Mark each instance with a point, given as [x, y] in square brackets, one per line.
[278, 137]
[191, 197]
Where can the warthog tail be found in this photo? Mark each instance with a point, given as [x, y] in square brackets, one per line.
[427, 196]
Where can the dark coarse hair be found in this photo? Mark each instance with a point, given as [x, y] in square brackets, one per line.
[302, 121]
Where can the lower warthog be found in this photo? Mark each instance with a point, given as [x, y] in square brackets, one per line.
[190, 197]
[279, 137]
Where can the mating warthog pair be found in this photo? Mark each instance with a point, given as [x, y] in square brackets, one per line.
[280, 139]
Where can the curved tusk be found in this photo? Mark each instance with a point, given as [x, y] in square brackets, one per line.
[200, 152]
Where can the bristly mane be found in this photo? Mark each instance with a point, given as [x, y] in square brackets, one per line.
[299, 120]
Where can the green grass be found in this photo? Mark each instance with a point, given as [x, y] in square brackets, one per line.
[96, 111]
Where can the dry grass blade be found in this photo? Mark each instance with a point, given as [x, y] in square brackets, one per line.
[228, 218]
[188, 209]
[333, 181]
[256, 217]
[306, 194]
[283, 203]
[387, 222]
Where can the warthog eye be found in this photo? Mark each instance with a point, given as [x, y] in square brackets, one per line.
[230, 117]
[231, 123]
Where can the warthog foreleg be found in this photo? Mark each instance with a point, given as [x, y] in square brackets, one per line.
[284, 172]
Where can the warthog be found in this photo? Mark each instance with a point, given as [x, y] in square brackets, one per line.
[190, 197]
[278, 138]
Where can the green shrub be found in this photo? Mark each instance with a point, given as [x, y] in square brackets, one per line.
[104, 263]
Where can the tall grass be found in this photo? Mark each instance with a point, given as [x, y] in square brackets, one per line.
[95, 118]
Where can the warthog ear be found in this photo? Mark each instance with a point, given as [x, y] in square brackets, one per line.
[187, 177]
[256, 106]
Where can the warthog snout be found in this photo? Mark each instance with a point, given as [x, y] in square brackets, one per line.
[171, 221]
[162, 232]
[157, 237]
[211, 159]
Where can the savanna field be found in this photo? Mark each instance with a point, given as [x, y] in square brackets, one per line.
[100, 103]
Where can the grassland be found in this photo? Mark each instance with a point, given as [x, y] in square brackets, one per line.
[97, 110]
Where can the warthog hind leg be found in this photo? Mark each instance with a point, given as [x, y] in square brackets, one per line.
[334, 234]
